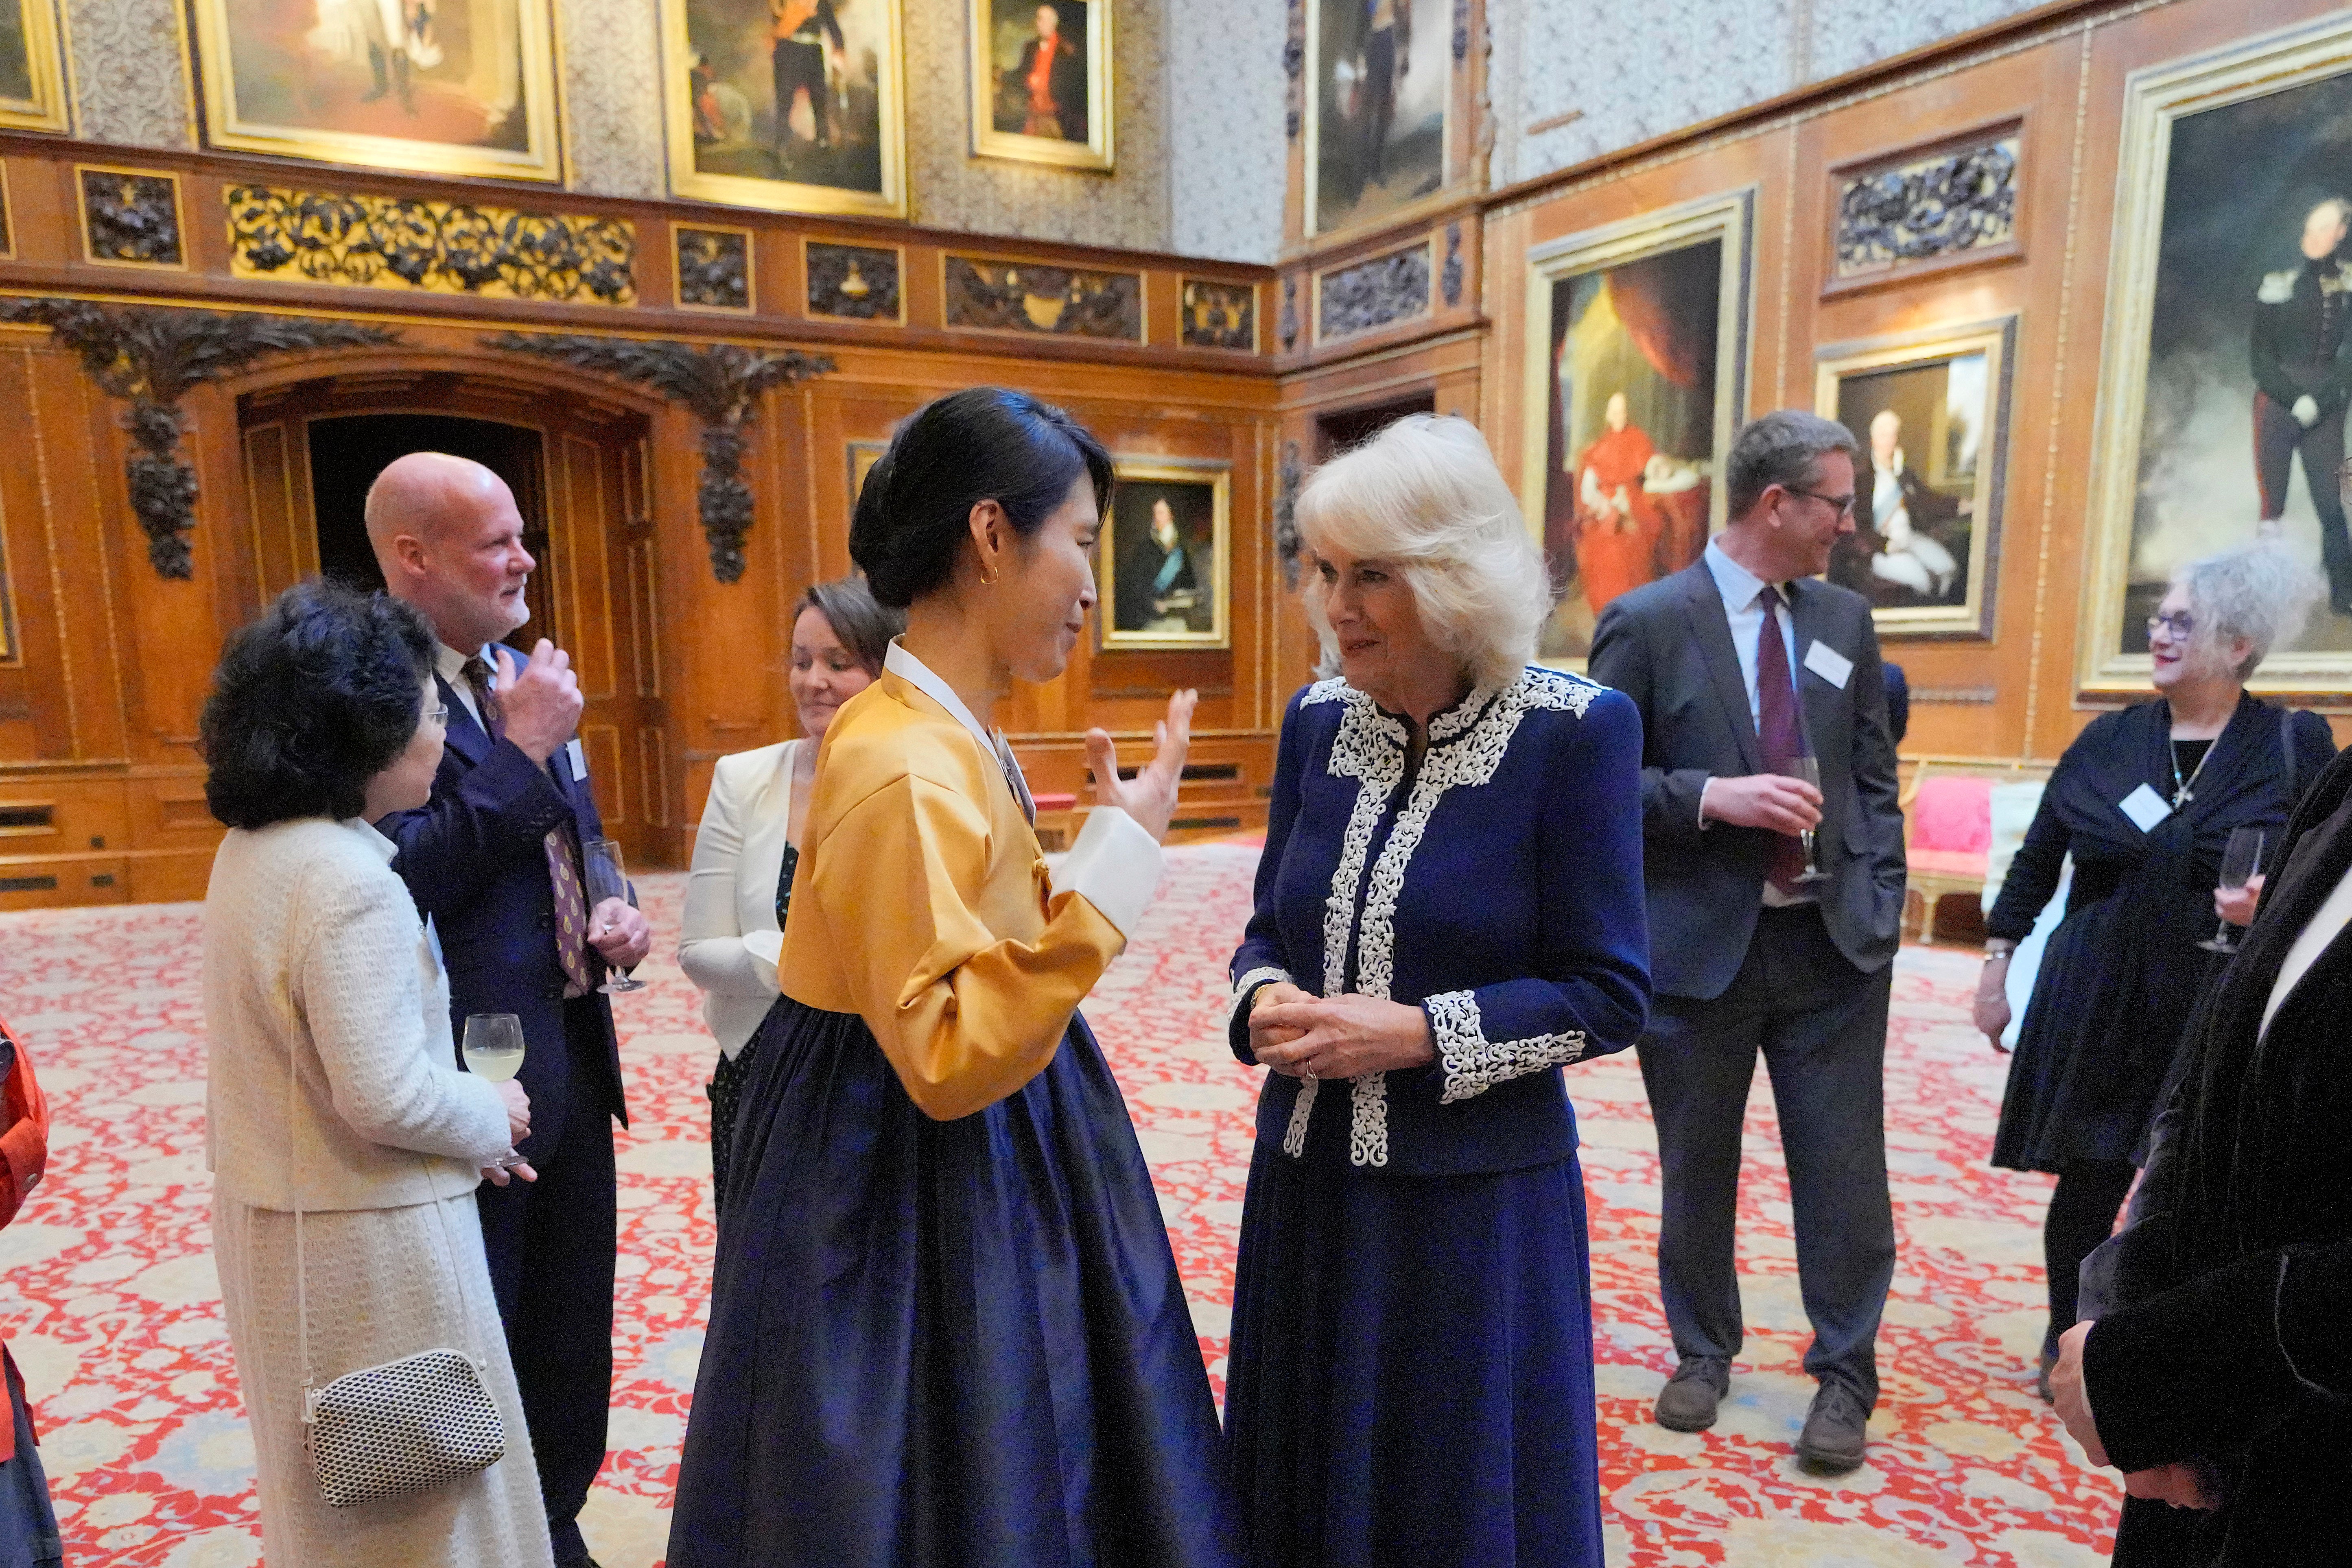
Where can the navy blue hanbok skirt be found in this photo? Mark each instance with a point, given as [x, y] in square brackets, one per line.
[1410, 1377]
[944, 1343]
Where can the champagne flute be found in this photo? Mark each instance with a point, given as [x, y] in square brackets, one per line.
[2241, 858]
[493, 1048]
[608, 878]
[1809, 769]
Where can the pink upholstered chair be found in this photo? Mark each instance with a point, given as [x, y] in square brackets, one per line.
[1949, 834]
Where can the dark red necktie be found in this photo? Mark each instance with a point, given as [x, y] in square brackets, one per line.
[1778, 730]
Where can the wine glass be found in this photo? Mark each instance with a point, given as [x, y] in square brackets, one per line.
[608, 878]
[2241, 858]
[1809, 769]
[493, 1048]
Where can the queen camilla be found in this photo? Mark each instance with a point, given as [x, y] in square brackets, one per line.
[1448, 912]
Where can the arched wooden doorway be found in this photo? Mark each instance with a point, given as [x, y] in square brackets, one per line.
[578, 469]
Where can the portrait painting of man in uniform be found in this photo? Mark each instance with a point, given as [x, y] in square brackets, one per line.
[1165, 549]
[1041, 82]
[1381, 77]
[443, 86]
[2226, 370]
[1637, 365]
[791, 105]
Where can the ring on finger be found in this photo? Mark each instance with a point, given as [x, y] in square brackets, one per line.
[1307, 1071]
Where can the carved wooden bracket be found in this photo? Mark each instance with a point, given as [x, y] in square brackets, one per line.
[720, 383]
[1290, 475]
[150, 357]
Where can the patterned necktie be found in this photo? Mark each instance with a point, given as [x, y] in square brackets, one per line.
[562, 848]
[485, 700]
[1778, 730]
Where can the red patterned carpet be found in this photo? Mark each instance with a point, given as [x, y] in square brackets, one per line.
[111, 1304]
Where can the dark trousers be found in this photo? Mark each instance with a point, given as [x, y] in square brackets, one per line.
[551, 1245]
[1380, 96]
[796, 67]
[2083, 1212]
[2278, 437]
[1821, 1026]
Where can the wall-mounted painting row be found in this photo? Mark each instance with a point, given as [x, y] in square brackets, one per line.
[1375, 124]
[32, 68]
[1637, 360]
[1930, 411]
[457, 87]
[2224, 382]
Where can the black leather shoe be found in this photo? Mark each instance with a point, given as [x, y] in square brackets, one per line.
[1687, 1401]
[1831, 1442]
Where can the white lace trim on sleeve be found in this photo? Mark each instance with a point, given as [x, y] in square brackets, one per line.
[1247, 987]
[1473, 1063]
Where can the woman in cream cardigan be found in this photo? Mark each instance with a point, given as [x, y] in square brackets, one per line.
[331, 1084]
[747, 848]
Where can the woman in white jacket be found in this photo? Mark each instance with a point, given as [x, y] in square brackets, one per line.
[745, 853]
[332, 1087]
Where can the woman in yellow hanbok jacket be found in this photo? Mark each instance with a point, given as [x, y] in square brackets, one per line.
[946, 1327]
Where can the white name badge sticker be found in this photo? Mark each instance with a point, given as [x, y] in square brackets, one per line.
[577, 758]
[2144, 806]
[1828, 663]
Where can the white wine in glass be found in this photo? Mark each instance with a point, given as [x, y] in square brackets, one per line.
[2241, 858]
[493, 1052]
[1809, 769]
[608, 878]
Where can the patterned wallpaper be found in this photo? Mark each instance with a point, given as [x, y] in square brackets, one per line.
[131, 84]
[128, 64]
[1226, 153]
[1554, 55]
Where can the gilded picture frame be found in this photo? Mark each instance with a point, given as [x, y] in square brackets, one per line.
[838, 149]
[1378, 134]
[1041, 99]
[1930, 410]
[1592, 387]
[1164, 516]
[472, 92]
[862, 457]
[33, 93]
[2225, 158]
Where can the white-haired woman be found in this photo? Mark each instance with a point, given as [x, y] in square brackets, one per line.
[2145, 800]
[1449, 911]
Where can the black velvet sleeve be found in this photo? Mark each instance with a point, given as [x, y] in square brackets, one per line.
[2211, 1364]
[2034, 873]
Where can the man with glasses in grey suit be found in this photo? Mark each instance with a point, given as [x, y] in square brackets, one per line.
[1773, 855]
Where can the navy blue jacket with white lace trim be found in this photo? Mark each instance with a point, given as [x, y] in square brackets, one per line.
[1497, 885]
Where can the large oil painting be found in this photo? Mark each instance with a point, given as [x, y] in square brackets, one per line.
[439, 87]
[791, 105]
[1929, 409]
[1380, 76]
[1166, 551]
[32, 75]
[2224, 377]
[1041, 82]
[1637, 354]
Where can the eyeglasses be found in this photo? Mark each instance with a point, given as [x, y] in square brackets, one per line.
[1842, 504]
[2180, 621]
[438, 717]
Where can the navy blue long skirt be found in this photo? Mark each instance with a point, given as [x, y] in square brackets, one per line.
[1411, 1378]
[944, 1343]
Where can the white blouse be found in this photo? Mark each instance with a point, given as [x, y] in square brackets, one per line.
[731, 939]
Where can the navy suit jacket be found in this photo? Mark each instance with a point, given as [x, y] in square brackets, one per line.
[474, 861]
[1667, 645]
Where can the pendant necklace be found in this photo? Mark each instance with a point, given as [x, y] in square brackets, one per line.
[2182, 791]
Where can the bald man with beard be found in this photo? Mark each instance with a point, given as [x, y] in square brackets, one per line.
[494, 860]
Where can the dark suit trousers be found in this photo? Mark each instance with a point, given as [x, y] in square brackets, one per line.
[551, 1246]
[1821, 1026]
